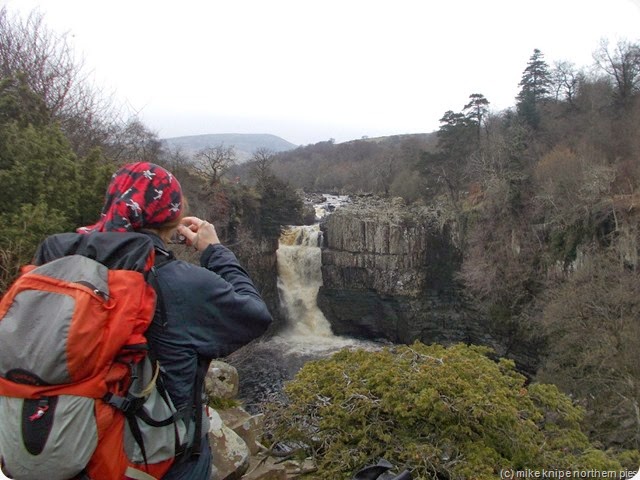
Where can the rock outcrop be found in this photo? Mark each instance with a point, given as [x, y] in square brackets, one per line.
[388, 273]
[258, 257]
[235, 434]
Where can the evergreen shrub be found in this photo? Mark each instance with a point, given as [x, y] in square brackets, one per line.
[451, 413]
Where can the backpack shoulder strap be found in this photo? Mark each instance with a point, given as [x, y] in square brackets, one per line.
[163, 257]
[198, 401]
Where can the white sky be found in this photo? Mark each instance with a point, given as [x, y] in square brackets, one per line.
[308, 70]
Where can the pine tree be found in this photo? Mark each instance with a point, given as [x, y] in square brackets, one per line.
[534, 89]
[476, 110]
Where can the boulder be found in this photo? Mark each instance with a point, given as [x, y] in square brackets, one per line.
[246, 426]
[234, 434]
[231, 456]
[221, 381]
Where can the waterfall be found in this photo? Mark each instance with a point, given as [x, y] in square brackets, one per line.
[299, 258]
[299, 279]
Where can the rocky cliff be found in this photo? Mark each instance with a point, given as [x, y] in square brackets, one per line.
[258, 257]
[388, 272]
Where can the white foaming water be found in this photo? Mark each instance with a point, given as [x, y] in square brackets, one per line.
[299, 279]
[330, 203]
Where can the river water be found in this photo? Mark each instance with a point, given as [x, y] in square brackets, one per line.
[266, 364]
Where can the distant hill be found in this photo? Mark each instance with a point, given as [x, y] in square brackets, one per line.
[395, 139]
[244, 143]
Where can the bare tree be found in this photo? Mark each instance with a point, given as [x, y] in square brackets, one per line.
[47, 64]
[213, 162]
[385, 168]
[46, 60]
[134, 141]
[262, 159]
[622, 64]
[175, 159]
[565, 80]
[571, 185]
[593, 320]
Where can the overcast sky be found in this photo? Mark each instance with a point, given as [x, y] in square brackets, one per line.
[308, 70]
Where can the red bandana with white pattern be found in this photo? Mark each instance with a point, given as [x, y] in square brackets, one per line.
[140, 195]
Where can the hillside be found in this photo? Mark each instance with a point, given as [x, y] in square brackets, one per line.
[244, 143]
[382, 165]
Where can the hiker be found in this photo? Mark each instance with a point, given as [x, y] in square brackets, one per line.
[209, 310]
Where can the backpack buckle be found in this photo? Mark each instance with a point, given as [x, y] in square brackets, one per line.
[121, 403]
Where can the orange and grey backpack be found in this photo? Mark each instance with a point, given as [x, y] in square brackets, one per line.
[80, 397]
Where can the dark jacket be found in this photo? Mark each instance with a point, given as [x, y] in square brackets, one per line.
[212, 310]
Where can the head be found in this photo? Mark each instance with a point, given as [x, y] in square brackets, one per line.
[141, 196]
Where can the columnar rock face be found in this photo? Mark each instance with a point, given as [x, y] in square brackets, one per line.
[259, 259]
[388, 272]
[375, 249]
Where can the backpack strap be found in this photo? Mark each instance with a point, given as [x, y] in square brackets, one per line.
[164, 257]
[131, 404]
[198, 401]
[132, 407]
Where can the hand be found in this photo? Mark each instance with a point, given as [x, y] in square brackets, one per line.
[199, 233]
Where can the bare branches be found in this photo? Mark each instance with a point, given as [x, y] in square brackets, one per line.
[622, 64]
[48, 65]
[134, 141]
[213, 162]
[262, 159]
[565, 80]
[46, 61]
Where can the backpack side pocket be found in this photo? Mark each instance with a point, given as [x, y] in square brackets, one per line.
[155, 431]
[52, 437]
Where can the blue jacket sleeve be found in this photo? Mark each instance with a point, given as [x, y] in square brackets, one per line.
[233, 308]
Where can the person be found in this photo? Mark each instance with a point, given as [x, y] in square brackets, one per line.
[209, 310]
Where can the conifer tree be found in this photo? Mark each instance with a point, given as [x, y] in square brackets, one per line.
[38, 177]
[534, 88]
[476, 110]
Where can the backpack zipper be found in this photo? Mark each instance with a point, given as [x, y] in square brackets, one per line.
[96, 291]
